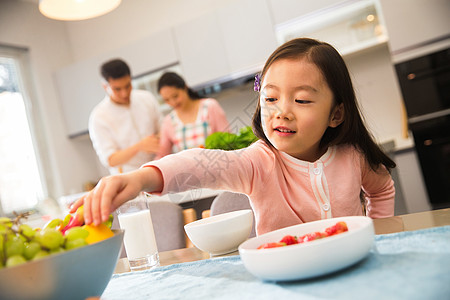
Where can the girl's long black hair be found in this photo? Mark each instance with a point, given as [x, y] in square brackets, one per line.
[352, 130]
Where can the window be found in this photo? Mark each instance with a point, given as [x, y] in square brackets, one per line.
[21, 184]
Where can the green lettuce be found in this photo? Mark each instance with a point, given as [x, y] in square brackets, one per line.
[231, 141]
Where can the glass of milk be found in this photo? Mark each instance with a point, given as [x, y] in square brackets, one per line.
[139, 237]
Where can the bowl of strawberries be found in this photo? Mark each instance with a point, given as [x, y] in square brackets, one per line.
[308, 250]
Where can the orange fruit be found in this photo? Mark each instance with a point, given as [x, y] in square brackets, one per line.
[97, 233]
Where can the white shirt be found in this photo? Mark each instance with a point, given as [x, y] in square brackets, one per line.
[113, 127]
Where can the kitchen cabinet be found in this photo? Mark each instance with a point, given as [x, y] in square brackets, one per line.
[412, 24]
[287, 10]
[230, 42]
[411, 180]
[79, 84]
[80, 90]
[350, 26]
[201, 49]
[248, 35]
[152, 53]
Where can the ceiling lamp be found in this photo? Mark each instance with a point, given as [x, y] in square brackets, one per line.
[73, 10]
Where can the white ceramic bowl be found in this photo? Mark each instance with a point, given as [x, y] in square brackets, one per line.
[310, 259]
[221, 234]
[75, 274]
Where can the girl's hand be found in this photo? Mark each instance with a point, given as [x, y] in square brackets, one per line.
[112, 191]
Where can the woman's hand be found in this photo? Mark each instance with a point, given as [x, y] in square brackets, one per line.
[112, 191]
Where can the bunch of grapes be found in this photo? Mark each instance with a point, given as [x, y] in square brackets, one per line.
[20, 243]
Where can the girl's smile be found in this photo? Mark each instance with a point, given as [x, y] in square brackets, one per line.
[297, 107]
[283, 131]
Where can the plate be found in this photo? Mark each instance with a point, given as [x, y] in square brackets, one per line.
[310, 259]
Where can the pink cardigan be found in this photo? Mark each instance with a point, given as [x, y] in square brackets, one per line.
[283, 190]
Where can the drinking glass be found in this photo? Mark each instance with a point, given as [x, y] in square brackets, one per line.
[139, 237]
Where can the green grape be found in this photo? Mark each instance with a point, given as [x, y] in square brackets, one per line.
[52, 224]
[4, 228]
[66, 220]
[27, 231]
[6, 221]
[22, 238]
[2, 258]
[76, 243]
[14, 246]
[49, 239]
[76, 233]
[41, 254]
[2, 239]
[15, 260]
[31, 249]
[109, 221]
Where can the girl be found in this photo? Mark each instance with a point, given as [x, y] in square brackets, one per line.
[313, 158]
[192, 118]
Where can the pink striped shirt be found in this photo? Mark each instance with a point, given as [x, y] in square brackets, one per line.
[283, 190]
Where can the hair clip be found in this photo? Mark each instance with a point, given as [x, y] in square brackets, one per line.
[257, 85]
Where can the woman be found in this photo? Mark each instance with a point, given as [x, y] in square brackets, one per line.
[192, 118]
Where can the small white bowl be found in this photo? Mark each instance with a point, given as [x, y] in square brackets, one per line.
[221, 234]
[310, 259]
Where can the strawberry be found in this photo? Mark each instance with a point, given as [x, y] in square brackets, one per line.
[271, 245]
[331, 230]
[341, 227]
[312, 236]
[289, 240]
[77, 220]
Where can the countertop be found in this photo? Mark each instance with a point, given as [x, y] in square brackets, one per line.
[408, 222]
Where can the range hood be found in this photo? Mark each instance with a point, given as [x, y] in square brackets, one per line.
[227, 82]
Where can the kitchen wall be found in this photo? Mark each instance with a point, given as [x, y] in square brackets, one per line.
[53, 45]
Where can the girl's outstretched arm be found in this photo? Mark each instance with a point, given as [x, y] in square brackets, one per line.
[112, 191]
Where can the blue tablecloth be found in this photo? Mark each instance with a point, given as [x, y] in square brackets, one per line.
[405, 265]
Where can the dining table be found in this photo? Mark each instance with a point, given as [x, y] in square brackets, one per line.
[410, 259]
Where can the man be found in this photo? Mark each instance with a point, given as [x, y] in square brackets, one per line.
[124, 126]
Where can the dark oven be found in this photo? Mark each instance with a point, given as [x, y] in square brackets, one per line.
[425, 85]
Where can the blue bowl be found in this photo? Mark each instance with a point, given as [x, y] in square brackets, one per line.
[75, 274]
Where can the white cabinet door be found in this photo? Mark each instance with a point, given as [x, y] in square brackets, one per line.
[286, 10]
[248, 34]
[411, 23]
[237, 38]
[412, 183]
[201, 49]
[154, 52]
[80, 90]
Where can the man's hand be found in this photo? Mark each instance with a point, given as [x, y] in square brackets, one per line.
[149, 144]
